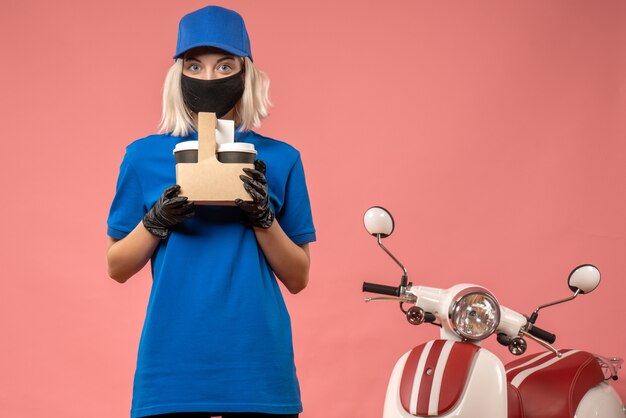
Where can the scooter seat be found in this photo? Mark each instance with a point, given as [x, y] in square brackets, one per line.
[546, 386]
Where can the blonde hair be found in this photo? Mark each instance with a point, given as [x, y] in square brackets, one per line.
[250, 110]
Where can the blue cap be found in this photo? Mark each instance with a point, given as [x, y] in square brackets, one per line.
[213, 26]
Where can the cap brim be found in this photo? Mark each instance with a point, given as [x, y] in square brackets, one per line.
[224, 47]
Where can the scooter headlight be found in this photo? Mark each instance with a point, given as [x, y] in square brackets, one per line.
[474, 314]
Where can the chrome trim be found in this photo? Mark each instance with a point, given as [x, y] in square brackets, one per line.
[541, 342]
[468, 291]
[536, 312]
[380, 244]
[394, 298]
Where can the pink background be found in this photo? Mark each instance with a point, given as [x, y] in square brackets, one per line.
[494, 132]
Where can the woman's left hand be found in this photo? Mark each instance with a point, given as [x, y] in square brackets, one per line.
[258, 211]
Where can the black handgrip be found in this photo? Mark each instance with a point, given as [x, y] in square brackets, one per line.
[381, 288]
[541, 334]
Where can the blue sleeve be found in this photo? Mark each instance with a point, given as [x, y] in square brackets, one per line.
[128, 208]
[295, 216]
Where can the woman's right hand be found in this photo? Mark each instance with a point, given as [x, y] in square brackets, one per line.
[127, 256]
[169, 210]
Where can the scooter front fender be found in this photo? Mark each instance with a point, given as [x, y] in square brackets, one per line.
[481, 393]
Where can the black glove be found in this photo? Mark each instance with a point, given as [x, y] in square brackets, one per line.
[168, 211]
[258, 211]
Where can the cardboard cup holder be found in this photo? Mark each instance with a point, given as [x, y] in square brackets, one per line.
[209, 181]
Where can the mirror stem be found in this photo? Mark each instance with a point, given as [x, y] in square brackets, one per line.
[533, 317]
[405, 277]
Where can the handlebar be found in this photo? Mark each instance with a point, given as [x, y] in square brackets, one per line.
[381, 289]
[542, 334]
[395, 291]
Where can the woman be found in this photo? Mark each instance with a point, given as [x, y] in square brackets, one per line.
[217, 335]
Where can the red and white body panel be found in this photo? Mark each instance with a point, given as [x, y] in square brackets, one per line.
[601, 401]
[445, 391]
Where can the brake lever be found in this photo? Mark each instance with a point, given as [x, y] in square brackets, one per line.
[542, 343]
[402, 299]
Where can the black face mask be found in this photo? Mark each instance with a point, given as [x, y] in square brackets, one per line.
[217, 96]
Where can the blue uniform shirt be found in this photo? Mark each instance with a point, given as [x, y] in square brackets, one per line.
[217, 334]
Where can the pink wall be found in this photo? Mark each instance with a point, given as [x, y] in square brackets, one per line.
[493, 131]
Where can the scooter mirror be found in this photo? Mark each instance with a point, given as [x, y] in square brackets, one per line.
[584, 278]
[378, 221]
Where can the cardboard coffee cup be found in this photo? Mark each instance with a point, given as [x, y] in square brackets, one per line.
[236, 152]
[186, 152]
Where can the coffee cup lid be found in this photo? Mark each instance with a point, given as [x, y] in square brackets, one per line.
[236, 147]
[186, 146]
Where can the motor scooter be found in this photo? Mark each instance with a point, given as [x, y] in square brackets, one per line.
[453, 376]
